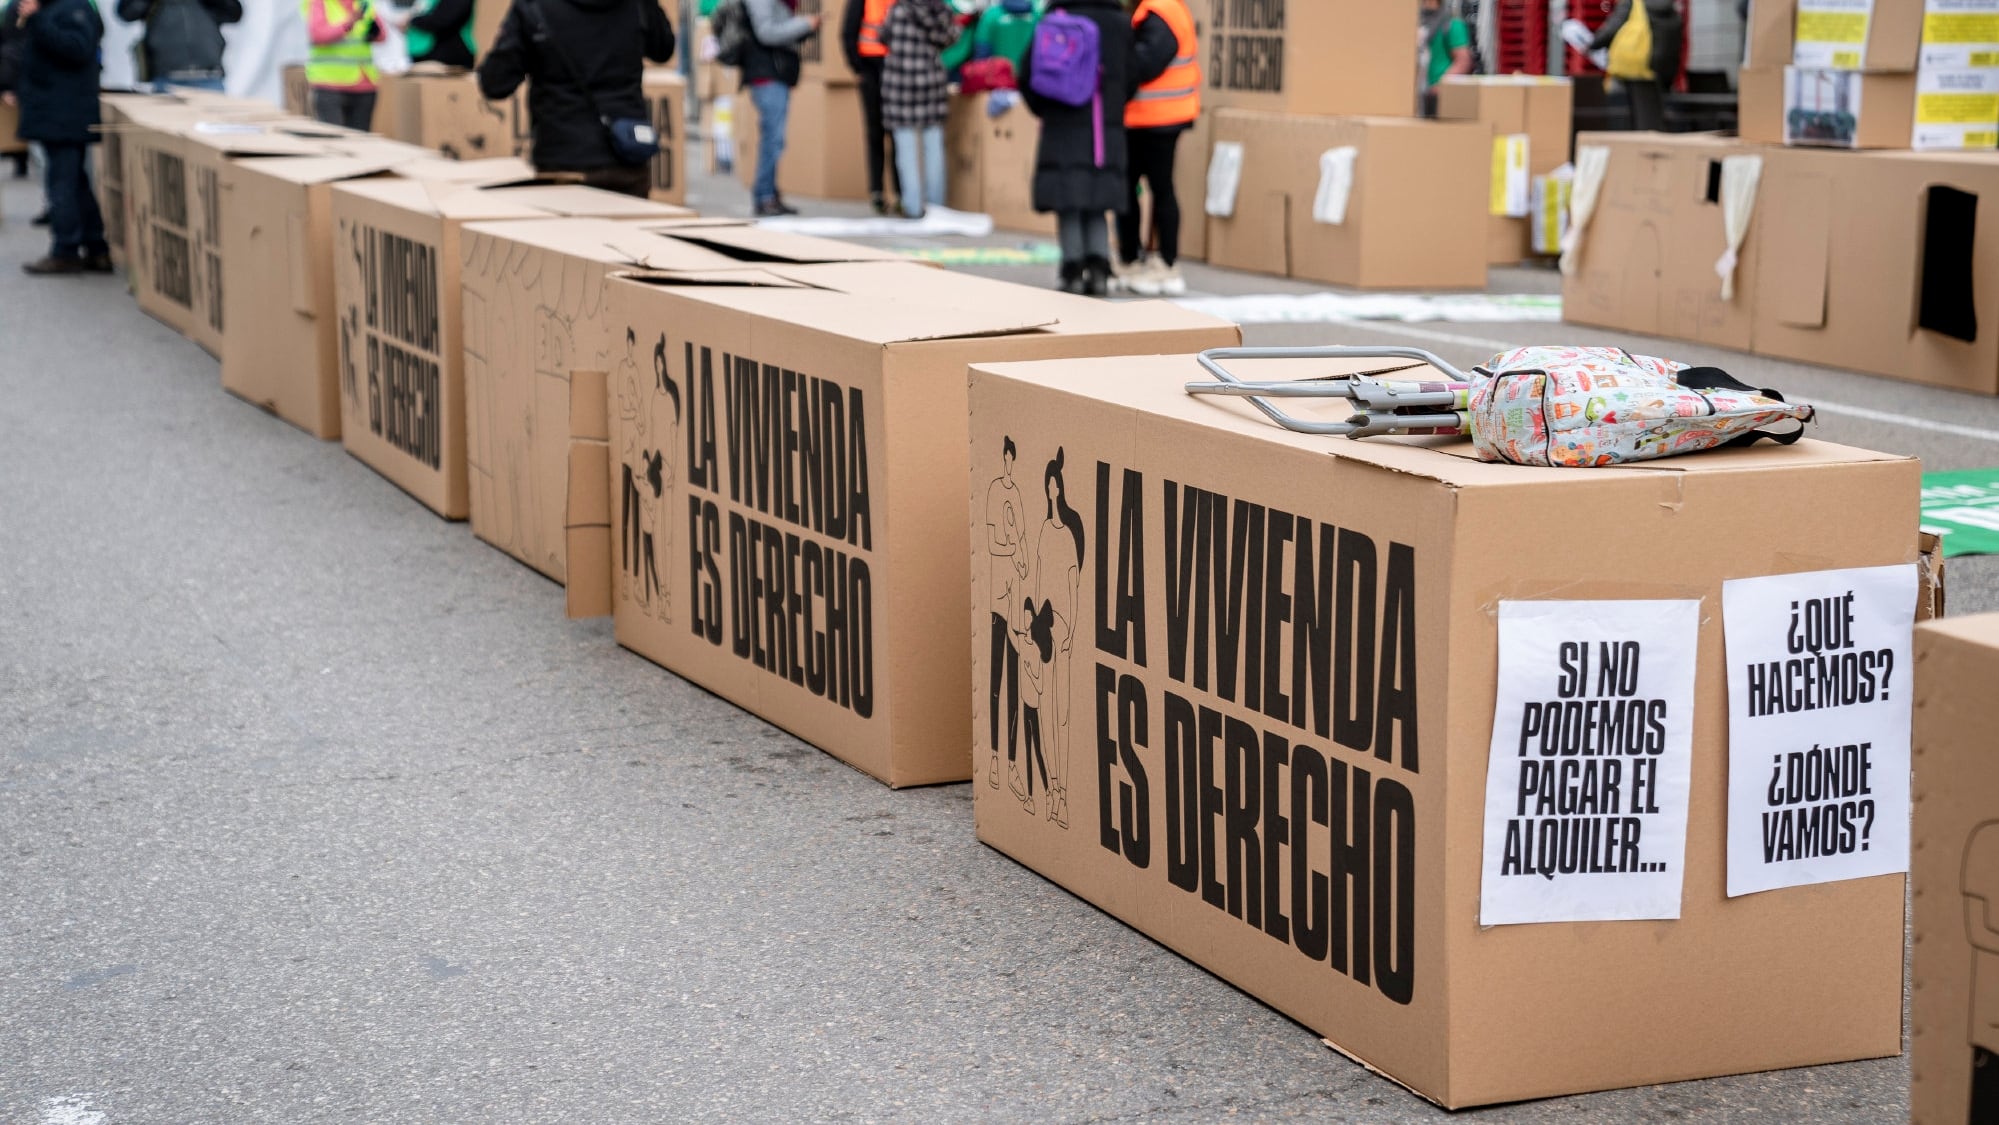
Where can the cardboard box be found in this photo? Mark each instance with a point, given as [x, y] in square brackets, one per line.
[282, 352]
[10, 126]
[535, 302]
[390, 120]
[1540, 109]
[1770, 34]
[1294, 797]
[1865, 263]
[1881, 35]
[821, 55]
[1415, 214]
[401, 320]
[666, 105]
[1647, 259]
[964, 154]
[824, 143]
[812, 578]
[441, 107]
[297, 91]
[990, 164]
[1954, 982]
[1759, 105]
[486, 20]
[1190, 181]
[1848, 108]
[1355, 57]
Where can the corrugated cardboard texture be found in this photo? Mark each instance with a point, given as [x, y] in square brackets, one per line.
[1416, 216]
[1648, 257]
[441, 108]
[787, 522]
[1323, 57]
[282, 352]
[824, 151]
[1842, 280]
[1954, 982]
[1213, 755]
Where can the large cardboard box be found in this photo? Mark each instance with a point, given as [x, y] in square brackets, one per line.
[1518, 108]
[1877, 262]
[1415, 214]
[666, 105]
[822, 58]
[534, 294]
[1353, 57]
[441, 107]
[1879, 35]
[965, 154]
[10, 127]
[1759, 104]
[487, 15]
[1647, 259]
[824, 145]
[1848, 108]
[282, 351]
[787, 455]
[1770, 33]
[1954, 981]
[1263, 704]
[1190, 182]
[401, 321]
[990, 164]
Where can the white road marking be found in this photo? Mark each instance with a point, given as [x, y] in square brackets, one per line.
[72, 1110]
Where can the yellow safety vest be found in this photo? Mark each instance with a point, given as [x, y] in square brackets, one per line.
[348, 62]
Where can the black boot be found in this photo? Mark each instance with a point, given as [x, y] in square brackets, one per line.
[1072, 277]
[1096, 276]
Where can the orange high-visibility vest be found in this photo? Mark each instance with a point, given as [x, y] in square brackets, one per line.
[1173, 98]
[874, 21]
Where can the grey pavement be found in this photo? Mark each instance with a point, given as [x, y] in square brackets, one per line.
[313, 808]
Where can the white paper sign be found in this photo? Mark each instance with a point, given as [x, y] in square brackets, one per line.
[1592, 745]
[1224, 177]
[1818, 726]
[1833, 33]
[1960, 33]
[1329, 206]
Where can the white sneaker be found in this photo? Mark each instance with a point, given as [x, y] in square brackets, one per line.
[1171, 284]
[1146, 281]
[1123, 272]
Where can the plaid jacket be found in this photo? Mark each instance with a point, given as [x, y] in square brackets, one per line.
[915, 90]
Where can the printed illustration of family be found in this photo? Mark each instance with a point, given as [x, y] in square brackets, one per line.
[1037, 573]
[646, 498]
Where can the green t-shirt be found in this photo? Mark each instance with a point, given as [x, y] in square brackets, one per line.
[1446, 44]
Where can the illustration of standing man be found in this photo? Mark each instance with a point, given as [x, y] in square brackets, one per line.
[1006, 540]
[634, 412]
[660, 478]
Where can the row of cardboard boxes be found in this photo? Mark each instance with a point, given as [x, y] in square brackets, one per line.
[1871, 261]
[763, 456]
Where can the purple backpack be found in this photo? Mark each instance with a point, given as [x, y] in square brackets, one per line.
[1066, 65]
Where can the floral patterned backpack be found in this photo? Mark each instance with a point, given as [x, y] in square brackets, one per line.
[1555, 406]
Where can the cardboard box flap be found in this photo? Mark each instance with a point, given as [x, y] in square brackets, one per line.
[797, 297]
[446, 200]
[1797, 249]
[765, 246]
[318, 169]
[609, 241]
[496, 170]
[586, 202]
[258, 140]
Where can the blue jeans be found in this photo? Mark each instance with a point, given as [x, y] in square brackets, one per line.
[773, 102]
[166, 85]
[76, 226]
[932, 156]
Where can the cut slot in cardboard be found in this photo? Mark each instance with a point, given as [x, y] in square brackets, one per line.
[787, 459]
[1241, 694]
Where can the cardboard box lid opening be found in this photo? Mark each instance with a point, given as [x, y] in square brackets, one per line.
[808, 298]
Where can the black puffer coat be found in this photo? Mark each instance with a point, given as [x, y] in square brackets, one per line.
[1067, 176]
[557, 46]
[57, 82]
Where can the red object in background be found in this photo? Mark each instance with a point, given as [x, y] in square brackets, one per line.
[1595, 12]
[1520, 37]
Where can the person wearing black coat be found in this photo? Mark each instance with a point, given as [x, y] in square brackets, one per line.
[583, 61]
[182, 45]
[11, 49]
[1068, 178]
[1648, 99]
[57, 93]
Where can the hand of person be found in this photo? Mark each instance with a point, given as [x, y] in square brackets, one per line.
[25, 10]
[9, 99]
[815, 21]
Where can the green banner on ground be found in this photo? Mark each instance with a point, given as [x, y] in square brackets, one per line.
[1033, 254]
[1963, 507]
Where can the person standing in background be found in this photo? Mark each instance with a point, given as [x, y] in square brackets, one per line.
[770, 67]
[863, 39]
[1080, 161]
[1645, 79]
[1446, 48]
[182, 44]
[584, 63]
[339, 66]
[57, 92]
[1168, 65]
[440, 31]
[916, 98]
